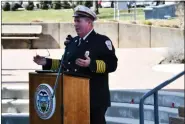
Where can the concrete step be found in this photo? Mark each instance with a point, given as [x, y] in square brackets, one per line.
[23, 118]
[166, 98]
[15, 90]
[16, 75]
[126, 110]
[15, 118]
[20, 90]
[118, 120]
[15, 106]
[181, 111]
[176, 120]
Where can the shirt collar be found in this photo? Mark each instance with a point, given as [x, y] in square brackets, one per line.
[87, 34]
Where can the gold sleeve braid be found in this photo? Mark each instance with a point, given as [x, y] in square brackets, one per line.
[101, 66]
[55, 64]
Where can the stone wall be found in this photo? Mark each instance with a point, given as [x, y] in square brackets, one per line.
[123, 35]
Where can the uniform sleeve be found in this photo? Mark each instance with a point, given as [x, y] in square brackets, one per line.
[51, 64]
[107, 62]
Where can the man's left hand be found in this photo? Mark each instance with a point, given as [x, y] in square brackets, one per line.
[83, 62]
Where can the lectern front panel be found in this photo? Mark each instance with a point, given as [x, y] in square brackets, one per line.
[74, 94]
[76, 100]
[42, 108]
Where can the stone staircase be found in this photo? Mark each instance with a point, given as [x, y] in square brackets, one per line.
[180, 119]
[125, 106]
[124, 109]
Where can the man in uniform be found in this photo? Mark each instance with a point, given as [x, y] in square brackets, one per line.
[90, 54]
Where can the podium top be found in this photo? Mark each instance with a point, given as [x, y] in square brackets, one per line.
[49, 72]
[77, 74]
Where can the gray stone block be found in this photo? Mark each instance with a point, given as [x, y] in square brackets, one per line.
[166, 98]
[132, 111]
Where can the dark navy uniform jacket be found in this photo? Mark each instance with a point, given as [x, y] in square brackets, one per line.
[103, 61]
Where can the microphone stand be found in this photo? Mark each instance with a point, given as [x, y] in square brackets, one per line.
[60, 71]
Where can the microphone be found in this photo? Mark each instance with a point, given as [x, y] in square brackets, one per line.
[68, 40]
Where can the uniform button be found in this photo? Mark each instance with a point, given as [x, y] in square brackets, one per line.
[68, 52]
[69, 63]
[67, 70]
[75, 70]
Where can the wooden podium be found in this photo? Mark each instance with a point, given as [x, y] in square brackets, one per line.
[74, 95]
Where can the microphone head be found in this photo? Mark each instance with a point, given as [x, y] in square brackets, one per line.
[68, 39]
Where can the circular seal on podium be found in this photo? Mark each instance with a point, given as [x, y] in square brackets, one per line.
[44, 103]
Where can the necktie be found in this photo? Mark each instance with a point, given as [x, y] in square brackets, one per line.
[80, 41]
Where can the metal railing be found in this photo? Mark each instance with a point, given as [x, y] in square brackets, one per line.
[155, 92]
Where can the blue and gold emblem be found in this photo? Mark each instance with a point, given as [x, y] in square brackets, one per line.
[44, 103]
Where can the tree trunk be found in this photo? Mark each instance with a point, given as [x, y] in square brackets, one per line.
[95, 7]
[97, 10]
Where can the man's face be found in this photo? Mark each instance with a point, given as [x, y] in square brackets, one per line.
[81, 26]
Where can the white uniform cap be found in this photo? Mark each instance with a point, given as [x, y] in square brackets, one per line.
[83, 11]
